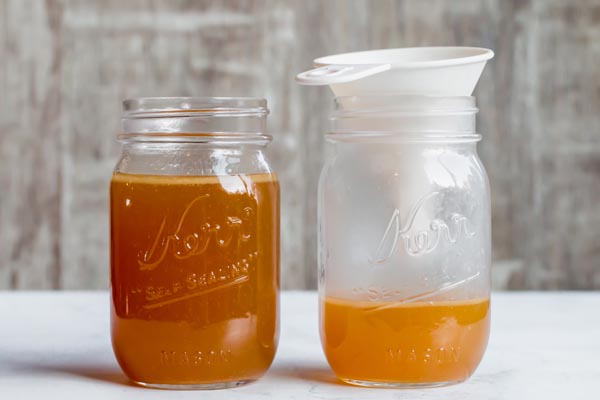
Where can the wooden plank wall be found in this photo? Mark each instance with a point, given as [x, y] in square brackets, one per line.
[65, 66]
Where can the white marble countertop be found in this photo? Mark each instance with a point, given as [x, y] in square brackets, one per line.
[56, 345]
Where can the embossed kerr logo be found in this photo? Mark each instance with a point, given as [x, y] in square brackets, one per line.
[415, 241]
[191, 238]
[193, 235]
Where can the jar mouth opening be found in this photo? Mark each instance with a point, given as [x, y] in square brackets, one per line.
[197, 119]
[399, 116]
[156, 107]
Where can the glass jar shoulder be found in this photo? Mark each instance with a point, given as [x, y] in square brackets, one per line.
[377, 167]
[176, 159]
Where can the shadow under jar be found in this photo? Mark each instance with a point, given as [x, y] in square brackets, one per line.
[194, 243]
[404, 236]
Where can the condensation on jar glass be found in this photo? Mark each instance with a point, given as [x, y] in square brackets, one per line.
[194, 243]
[404, 236]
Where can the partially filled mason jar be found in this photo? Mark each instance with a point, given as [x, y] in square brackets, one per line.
[404, 236]
[194, 243]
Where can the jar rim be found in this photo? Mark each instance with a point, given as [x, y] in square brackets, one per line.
[194, 119]
[403, 103]
[385, 116]
[148, 107]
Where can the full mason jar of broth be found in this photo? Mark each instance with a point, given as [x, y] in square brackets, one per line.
[404, 233]
[194, 243]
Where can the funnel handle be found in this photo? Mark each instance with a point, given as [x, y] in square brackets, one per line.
[333, 73]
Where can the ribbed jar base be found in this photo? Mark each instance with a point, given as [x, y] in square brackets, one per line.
[398, 385]
[193, 386]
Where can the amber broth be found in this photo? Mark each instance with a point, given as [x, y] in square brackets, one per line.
[195, 276]
[421, 342]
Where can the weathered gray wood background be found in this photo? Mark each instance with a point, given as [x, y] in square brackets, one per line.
[65, 66]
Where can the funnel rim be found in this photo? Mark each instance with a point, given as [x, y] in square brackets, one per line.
[480, 54]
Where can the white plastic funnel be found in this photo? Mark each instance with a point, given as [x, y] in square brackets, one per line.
[441, 71]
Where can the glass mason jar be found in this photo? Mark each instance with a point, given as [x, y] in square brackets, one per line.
[194, 243]
[404, 236]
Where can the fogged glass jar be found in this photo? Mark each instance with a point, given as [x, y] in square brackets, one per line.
[404, 235]
[194, 243]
